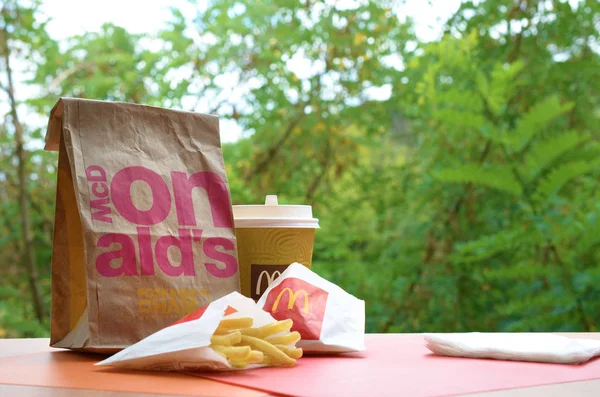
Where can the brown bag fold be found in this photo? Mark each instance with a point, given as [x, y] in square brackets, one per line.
[143, 225]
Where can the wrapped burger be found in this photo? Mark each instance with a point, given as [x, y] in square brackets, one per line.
[329, 319]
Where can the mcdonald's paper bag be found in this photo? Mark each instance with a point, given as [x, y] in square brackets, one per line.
[328, 318]
[186, 344]
[143, 226]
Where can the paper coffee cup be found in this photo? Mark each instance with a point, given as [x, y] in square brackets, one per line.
[270, 237]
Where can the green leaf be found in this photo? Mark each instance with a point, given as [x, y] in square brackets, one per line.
[561, 175]
[521, 272]
[589, 238]
[498, 90]
[497, 177]
[535, 121]
[461, 119]
[546, 152]
[490, 245]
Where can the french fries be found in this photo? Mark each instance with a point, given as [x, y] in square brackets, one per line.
[269, 329]
[288, 339]
[268, 349]
[230, 324]
[242, 345]
[226, 340]
[293, 353]
[235, 353]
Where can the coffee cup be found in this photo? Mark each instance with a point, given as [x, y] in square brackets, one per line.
[270, 237]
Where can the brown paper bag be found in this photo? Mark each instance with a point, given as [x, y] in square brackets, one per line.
[143, 225]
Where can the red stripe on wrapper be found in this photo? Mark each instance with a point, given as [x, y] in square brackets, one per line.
[192, 316]
[230, 310]
[198, 313]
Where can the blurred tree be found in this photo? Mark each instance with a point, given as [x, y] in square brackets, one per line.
[300, 76]
[456, 181]
[504, 175]
[111, 64]
[19, 33]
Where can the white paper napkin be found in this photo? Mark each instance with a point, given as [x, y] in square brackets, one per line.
[536, 347]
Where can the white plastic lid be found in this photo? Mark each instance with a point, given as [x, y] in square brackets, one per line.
[274, 215]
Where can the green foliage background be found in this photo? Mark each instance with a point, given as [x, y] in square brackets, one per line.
[468, 200]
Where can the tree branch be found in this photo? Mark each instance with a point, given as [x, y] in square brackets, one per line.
[261, 165]
[58, 80]
[568, 279]
[316, 93]
[324, 167]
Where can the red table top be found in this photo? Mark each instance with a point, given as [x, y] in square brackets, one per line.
[392, 365]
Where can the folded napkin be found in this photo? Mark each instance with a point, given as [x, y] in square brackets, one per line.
[546, 348]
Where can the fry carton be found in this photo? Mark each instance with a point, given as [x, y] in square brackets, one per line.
[329, 319]
[231, 333]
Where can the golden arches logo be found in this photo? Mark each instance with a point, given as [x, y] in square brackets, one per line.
[270, 278]
[292, 296]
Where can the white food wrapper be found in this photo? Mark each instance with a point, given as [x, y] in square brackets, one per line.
[184, 346]
[329, 319]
